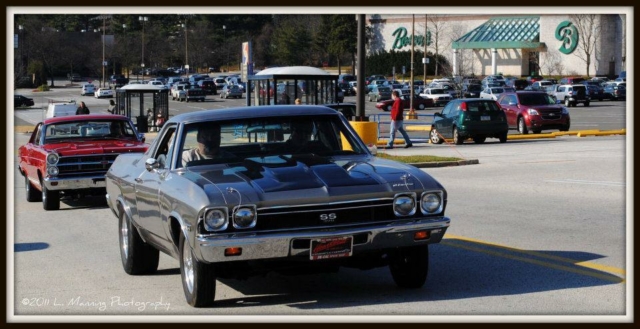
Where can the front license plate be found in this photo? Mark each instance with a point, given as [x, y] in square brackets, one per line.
[326, 248]
[485, 118]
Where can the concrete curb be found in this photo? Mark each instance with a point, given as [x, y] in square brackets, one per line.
[445, 163]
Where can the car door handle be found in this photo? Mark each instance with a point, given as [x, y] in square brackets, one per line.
[139, 180]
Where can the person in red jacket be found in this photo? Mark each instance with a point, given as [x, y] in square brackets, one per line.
[397, 121]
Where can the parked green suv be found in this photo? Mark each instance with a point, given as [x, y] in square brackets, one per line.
[474, 118]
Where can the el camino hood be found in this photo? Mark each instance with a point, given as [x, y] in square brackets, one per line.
[277, 178]
[96, 147]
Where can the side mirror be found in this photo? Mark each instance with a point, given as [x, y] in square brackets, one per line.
[141, 137]
[437, 114]
[151, 164]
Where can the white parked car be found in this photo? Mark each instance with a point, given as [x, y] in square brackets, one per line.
[158, 83]
[439, 96]
[88, 89]
[492, 93]
[104, 92]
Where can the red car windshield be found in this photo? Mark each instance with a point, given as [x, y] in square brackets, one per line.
[81, 130]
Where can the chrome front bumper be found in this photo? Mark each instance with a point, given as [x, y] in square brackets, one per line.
[75, 183]
[211, 249]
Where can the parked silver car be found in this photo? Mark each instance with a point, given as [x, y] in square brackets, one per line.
[238, 192]
[231, 91]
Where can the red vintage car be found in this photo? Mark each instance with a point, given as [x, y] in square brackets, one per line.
[419, 103]
[69, 156]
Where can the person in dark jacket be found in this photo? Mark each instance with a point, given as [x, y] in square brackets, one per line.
[397, 121]
[82, 109]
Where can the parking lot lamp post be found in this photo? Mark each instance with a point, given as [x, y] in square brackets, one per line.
[186, 47]
[143, 19]
[124, 35]
[104, 64]
[224, 36]
[21, 46]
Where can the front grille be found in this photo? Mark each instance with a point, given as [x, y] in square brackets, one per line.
[81, 165]
[554, 114]
[334, 215]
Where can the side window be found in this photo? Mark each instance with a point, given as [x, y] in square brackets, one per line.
[36, 139]
[164, 152]
[447, 109]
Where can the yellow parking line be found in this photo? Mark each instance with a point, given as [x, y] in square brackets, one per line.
[574, 262]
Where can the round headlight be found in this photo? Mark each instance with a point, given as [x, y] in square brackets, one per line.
[215, 220]
[52, 158]
[431, 202]
[244, 217]
[53, 171]
[404, 206]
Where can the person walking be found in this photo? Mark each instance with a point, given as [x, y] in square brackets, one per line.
[397, 121]
[112, 107]
[82, 109]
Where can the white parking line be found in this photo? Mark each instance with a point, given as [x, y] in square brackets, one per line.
[576, 181]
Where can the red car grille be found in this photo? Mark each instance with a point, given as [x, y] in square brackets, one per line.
[70, 166]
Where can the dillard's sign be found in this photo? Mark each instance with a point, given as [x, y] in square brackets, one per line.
[402, 40]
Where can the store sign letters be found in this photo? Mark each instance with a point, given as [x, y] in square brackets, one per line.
[402, 40]
[568, 34]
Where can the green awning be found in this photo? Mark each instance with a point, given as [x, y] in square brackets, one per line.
[503, 32]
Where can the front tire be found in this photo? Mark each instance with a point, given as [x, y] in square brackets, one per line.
[198, 279]
[435, 137]
[32, 193]
[409, 266]
[50, 199]
[421, 107]
[137, 256]
[567, 103]
[522, 126]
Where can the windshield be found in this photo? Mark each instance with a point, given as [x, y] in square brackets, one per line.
[83, 130]
[438, 91]
[535, 99]
[266, 140]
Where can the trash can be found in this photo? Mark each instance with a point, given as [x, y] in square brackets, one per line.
[141, 124]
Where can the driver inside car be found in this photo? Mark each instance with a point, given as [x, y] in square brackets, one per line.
[208, 139]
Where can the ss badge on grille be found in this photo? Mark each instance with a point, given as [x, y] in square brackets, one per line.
[328, 218]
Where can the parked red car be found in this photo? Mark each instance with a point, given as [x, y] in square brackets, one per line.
[70, 155]
[419, 103]
[535, 111]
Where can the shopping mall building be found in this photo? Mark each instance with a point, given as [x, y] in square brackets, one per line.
[519, 45]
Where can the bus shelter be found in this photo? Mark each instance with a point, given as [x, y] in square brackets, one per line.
[146, 105]
[283, 85]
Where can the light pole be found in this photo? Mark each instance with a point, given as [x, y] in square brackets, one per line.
[186, 46]
[124, 30]
[21, 45]
[96, 31]
[224, 36]
[143, 19]
[104, 64]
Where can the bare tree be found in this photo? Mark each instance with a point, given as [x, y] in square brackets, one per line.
[465, 56]
[589, 28]
[551, 63]
[438, 30]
